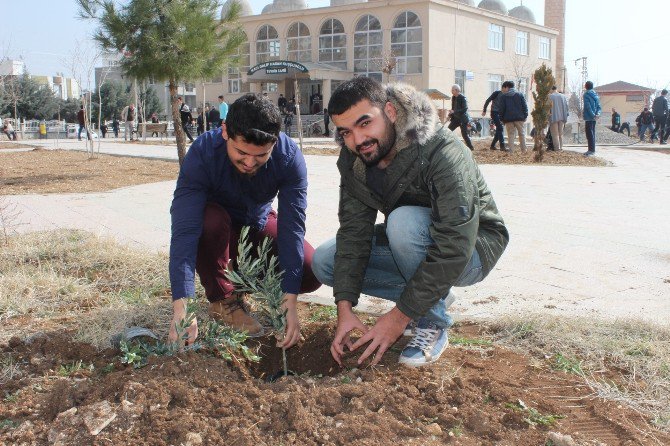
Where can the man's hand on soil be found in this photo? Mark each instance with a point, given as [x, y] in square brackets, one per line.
[292, 333]
[385, 332]
[346, 323]
[178, 315]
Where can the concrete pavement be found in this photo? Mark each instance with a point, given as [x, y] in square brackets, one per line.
[585, 241]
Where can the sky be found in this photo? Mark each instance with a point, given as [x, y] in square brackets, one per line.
[620, 42]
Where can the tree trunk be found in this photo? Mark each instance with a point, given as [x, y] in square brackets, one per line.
[176, 119]
[539, 144]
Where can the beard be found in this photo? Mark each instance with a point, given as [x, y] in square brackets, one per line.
[383, 145]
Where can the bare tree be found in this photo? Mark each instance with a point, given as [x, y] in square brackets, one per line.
[103, 77]
[82, 62]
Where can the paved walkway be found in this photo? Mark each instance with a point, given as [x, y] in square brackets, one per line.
[584, 241]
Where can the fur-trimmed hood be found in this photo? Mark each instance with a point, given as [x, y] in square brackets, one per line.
[416, 115]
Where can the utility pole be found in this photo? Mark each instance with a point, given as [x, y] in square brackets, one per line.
[584, 78]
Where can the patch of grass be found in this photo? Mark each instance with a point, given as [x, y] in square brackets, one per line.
[11, 397]
[456, 431]
[637, 351]
[322, 313]
[8, 424]
[533, 416]
[567, 364]
[9, 369]
[469, 342]
[73, 368]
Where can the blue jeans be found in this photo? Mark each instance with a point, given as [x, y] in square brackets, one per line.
[643, 130]
[591, 135]
[392, 266]
[81, 127]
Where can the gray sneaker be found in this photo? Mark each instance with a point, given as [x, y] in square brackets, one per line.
[428, 344]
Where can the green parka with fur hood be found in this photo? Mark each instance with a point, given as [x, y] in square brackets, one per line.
[431, 169]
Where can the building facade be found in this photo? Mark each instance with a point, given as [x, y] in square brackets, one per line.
[628, 99]
[430, 44]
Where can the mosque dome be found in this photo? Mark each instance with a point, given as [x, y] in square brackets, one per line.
[284, 6]
[245, 7]
[466, 2]
[522, 13]
[494, 6]
[345, 2]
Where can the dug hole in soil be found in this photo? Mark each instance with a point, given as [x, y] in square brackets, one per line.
[471, 396]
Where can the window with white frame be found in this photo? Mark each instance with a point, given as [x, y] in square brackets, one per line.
[459, 79]
[522, 43]
[496, 37]
[406, 43]
[333, 44]
[298, 43]
[235, 84]
[267, 44]
[368, 47]
[545, 48]
[495, 82]
[271, 87]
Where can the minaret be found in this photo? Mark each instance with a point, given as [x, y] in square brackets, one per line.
[554, 17]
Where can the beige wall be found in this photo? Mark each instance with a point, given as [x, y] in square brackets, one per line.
[628, 110]
[455, 36]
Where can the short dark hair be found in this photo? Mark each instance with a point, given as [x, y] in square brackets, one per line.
[588, 85]
[355, 90]
[554, 87]
[664, 92]
[220, 96]
[508, 84]
[255, 119]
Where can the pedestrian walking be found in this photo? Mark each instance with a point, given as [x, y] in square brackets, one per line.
[115, 127]
[128, 118]
[659, 109]
[498, 137]
[513, 113]
[459, 114]
[186, 117]
[288, 122]
[81, 118]
[616, 121]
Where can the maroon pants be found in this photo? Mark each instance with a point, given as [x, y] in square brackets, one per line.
[218, 246]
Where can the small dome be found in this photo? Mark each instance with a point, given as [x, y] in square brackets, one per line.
[245, 8]
[522, 13]
[285, 6]
[466, 2]
[345, 2]
[493, 5]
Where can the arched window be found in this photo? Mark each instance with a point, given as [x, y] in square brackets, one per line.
[267, 44]
[406, 43]
[298, 43]
[368, 47]
[333, 44]
[235, 84]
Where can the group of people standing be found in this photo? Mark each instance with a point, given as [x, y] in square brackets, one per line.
[656, 120]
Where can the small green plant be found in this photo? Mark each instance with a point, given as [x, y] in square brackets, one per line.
[8, 424]
[469, 342]
[346, 379]
[322, 313]
[259, 276]
[11, 397]
[74, 367]
[109, 368]
[567, 364]
[457, 431]
[533, 416]
[221, 340]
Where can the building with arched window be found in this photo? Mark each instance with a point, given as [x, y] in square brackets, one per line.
[306, 52]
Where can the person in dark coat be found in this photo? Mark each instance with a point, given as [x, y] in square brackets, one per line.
[82, 123]
[459, 114]
[186, 117]
[326, 122]
[214, 117]
[513, 111]
[495, 118]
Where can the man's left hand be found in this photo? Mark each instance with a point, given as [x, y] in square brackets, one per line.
[292, 333]
[382, 335]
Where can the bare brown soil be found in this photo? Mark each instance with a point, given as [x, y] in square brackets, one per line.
[484, 155]
[15, 145]
[61, 171]
[472, 396]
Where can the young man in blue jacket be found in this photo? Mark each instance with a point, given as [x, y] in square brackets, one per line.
[229, 179]
[592, 112]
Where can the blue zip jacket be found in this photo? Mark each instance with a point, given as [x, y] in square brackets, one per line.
[591, 105]
[207, 175]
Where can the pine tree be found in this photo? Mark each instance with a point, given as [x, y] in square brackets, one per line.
[167, 40]
[544, 80]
